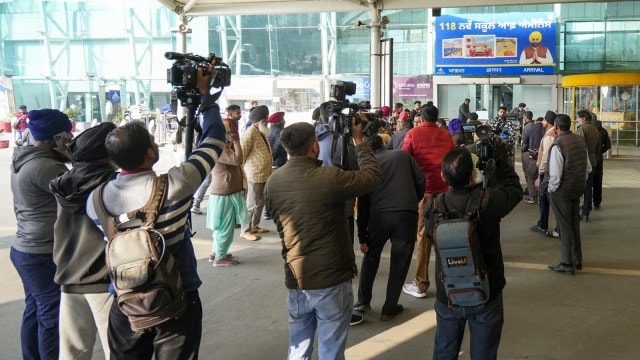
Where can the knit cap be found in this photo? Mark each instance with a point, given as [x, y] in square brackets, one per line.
[89, 145]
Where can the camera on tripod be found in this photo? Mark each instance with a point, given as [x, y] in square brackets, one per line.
[183, 75]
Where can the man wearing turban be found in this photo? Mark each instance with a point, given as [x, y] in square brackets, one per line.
[32, 169]
[536, 53]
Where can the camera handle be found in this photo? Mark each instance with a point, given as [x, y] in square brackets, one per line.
[486, 173]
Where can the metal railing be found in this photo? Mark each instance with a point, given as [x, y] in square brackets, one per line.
[625, 135]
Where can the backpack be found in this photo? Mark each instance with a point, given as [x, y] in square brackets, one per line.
[462, 268]
[143, 272]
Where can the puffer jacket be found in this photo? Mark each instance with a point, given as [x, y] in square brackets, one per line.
[428, 144]
[306, 202]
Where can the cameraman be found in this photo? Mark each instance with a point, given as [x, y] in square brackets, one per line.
[133, 150]
[485, 321]
[307, 201]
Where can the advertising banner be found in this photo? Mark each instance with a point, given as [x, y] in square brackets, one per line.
[495, 44]
[413, 87]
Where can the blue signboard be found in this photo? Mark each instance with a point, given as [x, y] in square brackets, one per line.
[114, 96]
[496, 44]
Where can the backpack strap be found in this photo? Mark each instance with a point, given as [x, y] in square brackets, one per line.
[472, 208]
[107, 220]
[148, 213]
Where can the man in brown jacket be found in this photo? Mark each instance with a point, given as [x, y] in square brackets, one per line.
[306, 202]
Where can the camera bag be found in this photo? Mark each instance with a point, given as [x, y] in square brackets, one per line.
[143, 272]
[462, 268]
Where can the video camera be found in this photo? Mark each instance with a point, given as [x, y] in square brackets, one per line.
[485, 147]
[340, 111]
[183, 75]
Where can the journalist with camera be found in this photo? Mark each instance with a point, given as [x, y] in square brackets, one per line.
[492, 204]
[183, 76]
[133, 149]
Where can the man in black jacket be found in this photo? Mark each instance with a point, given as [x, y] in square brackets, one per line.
[485, 321]
[390, 212]
[78, 248]
[598, 172]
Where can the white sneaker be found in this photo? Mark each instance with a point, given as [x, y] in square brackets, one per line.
[196, 210]
[412, 289]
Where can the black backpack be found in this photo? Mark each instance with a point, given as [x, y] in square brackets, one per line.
[143, 272]
[462, 268]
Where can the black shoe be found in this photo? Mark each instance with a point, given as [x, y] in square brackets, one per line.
[390, 314]
[584, 218]
[356, 318]
[596, 207]
[538, 229]
[562, 269]
[579, 266]
[362, 307]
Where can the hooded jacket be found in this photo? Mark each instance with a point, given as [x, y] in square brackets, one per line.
[32, 168]
[78, 248]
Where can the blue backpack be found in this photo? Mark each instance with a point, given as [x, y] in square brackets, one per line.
[462, 267]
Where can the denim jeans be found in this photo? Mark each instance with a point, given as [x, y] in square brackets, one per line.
[39, 332]
[327, 311]
[485, 326]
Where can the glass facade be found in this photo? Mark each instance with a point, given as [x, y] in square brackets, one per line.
[72, 53]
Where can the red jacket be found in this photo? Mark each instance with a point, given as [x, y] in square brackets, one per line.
[428, 144]
[22, 122]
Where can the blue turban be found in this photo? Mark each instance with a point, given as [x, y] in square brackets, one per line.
[45, 123]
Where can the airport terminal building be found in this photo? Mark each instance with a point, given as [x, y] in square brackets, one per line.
[97, 56]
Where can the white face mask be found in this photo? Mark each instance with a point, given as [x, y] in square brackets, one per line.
[264, 129]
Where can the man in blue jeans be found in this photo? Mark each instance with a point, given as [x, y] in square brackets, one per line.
[32, 168]
[485, 321]
[306, 201]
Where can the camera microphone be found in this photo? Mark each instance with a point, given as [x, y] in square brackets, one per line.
[170, 55]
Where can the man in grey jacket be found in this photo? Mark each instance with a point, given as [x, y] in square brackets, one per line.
[32, 169]
[307, 201]
[78, 248]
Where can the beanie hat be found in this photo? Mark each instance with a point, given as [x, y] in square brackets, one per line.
[258, 113]
[276, 117]
[429, 113]
[45, 123]
[385, 110]
[550, 116]
[89, 145]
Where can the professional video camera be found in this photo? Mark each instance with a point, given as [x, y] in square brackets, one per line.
[183, 76]
[485, 147]
[340, 111]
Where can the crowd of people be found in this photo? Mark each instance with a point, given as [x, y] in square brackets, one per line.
[294, 176]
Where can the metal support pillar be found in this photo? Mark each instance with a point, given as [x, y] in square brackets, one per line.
[375, 75]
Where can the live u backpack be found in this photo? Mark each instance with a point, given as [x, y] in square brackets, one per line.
[143, 272]
[462, 267]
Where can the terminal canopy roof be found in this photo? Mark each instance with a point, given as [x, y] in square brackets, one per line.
[247, 7]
